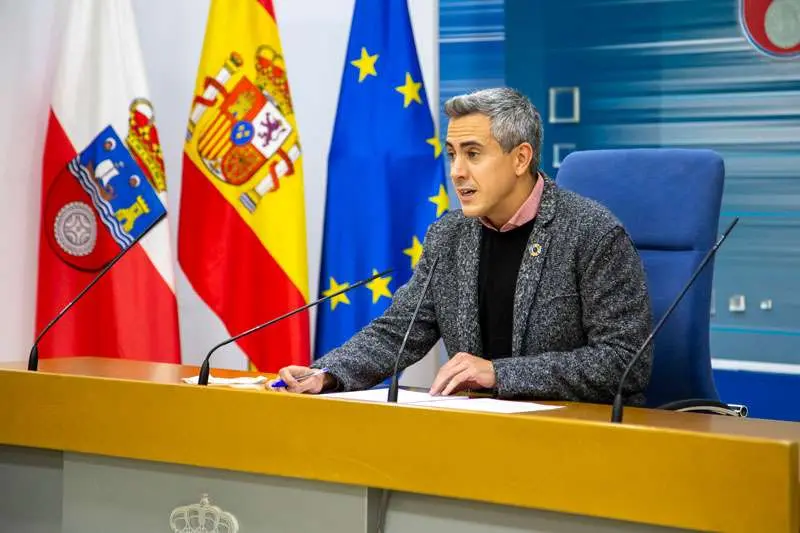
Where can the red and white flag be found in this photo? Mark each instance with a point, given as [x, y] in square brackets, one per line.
[104, 186]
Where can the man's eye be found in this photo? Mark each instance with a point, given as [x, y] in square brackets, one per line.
[472, 155]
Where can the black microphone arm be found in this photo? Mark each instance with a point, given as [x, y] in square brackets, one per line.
[33, 358]
[616, 410]
[393, 387]
[205, 370]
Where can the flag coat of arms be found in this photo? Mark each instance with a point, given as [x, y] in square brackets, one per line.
[772, 26]
[242, 235]
[386, 181]
[104, 187]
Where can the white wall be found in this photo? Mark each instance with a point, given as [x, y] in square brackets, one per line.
[29, 34]
[314, 36]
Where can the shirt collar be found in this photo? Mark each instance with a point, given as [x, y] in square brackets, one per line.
[526, 212]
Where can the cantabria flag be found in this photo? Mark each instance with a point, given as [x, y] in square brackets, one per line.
[103, 186]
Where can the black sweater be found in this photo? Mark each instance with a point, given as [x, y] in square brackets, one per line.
[501, 256]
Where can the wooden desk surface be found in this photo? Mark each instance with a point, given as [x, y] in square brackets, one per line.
[172, 374]
[676, 469]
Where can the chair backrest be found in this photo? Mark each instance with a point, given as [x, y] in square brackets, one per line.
[669, 202]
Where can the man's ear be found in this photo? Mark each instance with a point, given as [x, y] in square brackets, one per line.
[522, 158]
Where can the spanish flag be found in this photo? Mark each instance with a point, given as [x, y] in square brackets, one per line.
[242, 235]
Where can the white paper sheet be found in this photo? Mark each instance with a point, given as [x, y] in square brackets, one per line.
[487, 405]
[379, 395]
[230, 382]
[423, 399]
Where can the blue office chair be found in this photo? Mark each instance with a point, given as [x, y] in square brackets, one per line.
[669, 202]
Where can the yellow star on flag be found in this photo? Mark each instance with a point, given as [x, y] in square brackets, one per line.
[437, 145]
[410, 91]
[415, 252]
[339, 298]
[365, 65]
[441, 200]
[379, 287]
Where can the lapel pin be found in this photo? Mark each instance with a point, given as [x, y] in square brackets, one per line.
[536, 249]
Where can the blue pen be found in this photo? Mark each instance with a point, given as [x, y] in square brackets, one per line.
[281, 383]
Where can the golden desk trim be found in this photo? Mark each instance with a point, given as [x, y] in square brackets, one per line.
[656, 475]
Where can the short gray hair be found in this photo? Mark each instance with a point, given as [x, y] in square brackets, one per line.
[514, 119]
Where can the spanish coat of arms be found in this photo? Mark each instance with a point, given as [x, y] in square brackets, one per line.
[241, 127]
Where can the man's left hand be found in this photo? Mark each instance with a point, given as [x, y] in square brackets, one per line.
[463, 371]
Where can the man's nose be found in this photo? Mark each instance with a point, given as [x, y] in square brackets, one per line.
[456, 169]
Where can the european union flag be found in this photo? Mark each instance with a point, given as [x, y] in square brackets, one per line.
[385, 172]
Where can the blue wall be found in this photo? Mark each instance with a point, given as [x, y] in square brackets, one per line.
[471, 47]
[667, 73]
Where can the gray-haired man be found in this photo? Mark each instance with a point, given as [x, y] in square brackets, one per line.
[538, 292]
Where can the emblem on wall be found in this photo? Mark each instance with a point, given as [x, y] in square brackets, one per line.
[772, 26]
[202, 518]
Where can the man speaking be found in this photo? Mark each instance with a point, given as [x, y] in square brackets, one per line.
[538, 293]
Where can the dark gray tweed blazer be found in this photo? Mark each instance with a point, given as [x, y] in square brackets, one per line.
[581, 308]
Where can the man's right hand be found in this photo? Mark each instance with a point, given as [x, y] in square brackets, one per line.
[312, 385]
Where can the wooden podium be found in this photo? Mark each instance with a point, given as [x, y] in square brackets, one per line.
[96, 445]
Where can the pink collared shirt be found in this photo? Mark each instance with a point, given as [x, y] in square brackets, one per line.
[526, 212]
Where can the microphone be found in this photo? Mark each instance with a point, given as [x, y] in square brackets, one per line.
[205, 370]
[393, 387]
[616, 411]
[33, 358]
